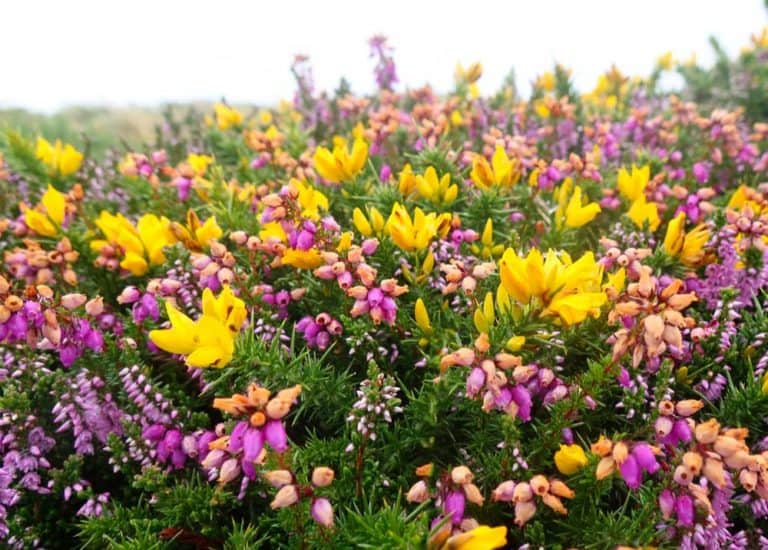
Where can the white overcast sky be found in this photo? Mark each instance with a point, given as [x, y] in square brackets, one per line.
[56, 53]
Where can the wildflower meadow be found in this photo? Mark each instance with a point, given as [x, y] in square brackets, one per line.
[406, 319]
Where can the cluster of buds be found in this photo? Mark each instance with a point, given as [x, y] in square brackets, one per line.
[377, 301]
[376, 399]
[631, 459]
[696, 205]
[151, 168]
[503, 382]
[34, 318]
[318, 331]
[216, 269]
[717, 456]
[459, 275]
[173, 447]
[291, 493]
[279, 299]
[750, 228]
[630, 258]
[523, 495]
[451, 492]
[36, 266]
[673, 425]
[352, 267]
[651, 319]
[243, 448]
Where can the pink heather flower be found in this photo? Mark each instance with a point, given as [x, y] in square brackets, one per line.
[645, 458]
[454, 506]
[667, 503]
[522, 399]
[322, 512]
[631, 472]
[274, 433]
[684, 510]
[475, 381]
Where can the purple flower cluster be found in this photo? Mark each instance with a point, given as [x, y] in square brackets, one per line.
[88, 411]
[319, 330]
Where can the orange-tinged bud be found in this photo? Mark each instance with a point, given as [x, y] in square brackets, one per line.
[425, 470]
[322, 476]
[706, 432]
[539, 484]
[688, 407]
[693, 461]
[278, 478]
[713, 471]
[605, 467]
[286, 496]
[473, 494]
[602, 446]
[560, 489]
[726, 446]
[553, 502]
[461, 475]
[620, 452]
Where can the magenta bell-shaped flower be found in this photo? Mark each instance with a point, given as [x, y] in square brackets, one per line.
[274, 433]
[631, 472]
[454, 506]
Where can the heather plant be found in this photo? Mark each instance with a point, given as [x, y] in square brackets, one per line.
[398, 320]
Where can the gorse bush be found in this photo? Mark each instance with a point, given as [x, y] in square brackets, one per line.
[401, 320]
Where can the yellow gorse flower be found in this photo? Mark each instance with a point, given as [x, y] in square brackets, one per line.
[570, 459]
[488, 250]
[632, 186]
[371, 225]
[560, 287]
[643, 213]
[438, 191]
[141, 245]
[502, 171]
[573, 209]
[341, 165]
[416, 233]
[546, 81]
[302, 259]
[209, 341]
[47, 218]
[196, 235]
[666, 61]
[311, 200]
[60, 158]
[226, 116]
[482, 537]
[689, 247]
[407, 181]
[199, 163]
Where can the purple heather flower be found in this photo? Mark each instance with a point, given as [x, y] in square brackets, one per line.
[274, 433]
[455, 503]
[631, 472]
[684, 510]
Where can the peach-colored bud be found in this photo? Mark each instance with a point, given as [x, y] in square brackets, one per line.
[666, 407]
[706, 432]
[687, 407]
[539, 484]
[560, 489]
[663, 426]
[507, 360]
[5, 313]
[45, 291]
[286, 496]
[682, 475]
[425, 470]
[553, 502]
[524, 510]
[238, 237]
[473, 494]
[602, 446]
[713, 471]
[605, 467]
[740, 459]
[482, 343]
[278, 478]
[278, 408]
[726, 446]
[524, 373]
[419, 492]
[620, 452]
[73, 301]
[322, 476]
[4, 285]
[461, 475]
[522, 492]
[95, 306]
[693, 461]
[737, 433]
[748, 480]
[52, 333]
